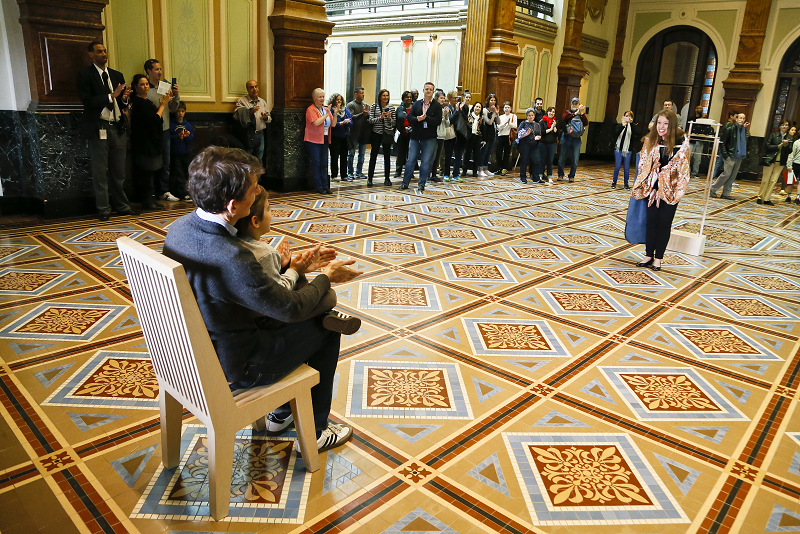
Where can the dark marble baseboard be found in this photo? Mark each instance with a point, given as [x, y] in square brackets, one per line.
[286, 156]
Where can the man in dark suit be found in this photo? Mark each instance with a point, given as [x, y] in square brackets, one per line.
[234, 293]
[105, 97]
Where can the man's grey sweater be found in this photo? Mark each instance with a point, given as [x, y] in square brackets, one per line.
[232, 290]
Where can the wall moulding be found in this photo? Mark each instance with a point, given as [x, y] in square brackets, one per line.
[535, 29]
[453, 20]
[594, 46]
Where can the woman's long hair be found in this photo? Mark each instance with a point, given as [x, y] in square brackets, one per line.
[380, 96]
[332, 100]
[651, 139]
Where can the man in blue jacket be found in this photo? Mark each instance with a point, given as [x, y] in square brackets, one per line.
[424, 118]
[734, 150]
[233, 292]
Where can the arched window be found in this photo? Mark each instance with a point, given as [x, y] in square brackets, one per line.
[677, 64]
[784, 103]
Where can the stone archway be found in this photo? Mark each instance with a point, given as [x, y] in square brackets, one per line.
[785, 101]
[678, 64]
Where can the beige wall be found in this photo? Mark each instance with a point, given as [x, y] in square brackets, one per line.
[212, 47]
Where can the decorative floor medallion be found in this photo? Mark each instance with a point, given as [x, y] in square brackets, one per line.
[536, 254]
[269, 482]
[472, 271]
[583, 302]
[670, 394]
[507, 224]
[589, 479]
[769, 283]
[718, 342]
[281, 213]
[456, 234]
[337, 205]
[328, 228]
[60, 321]
[30, 281]
[391, 218]
[390, 198]
[750, 308]
[110, 380]
[407, 390]
[9, 251]
[513, 337]
[398, 296]
[632, 278]
[443, 209]
[394, 247]
[581, 240]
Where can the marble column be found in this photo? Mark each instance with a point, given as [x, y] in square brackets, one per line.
[502, 58]
[616, 77]
[570, 68]
[744, 80]
[300, 28]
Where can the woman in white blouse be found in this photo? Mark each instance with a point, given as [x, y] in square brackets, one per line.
[506, 122]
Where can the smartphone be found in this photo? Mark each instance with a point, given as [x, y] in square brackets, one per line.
[174, 82]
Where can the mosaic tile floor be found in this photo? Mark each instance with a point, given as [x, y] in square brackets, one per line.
[515, 373]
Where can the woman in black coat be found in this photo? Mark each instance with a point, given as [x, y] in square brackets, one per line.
[146, 137]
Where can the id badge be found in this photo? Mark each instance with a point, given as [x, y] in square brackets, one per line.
[424, 124]
[103, 134]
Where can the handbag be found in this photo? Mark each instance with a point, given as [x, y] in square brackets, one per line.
[636, 221]
[791, 179]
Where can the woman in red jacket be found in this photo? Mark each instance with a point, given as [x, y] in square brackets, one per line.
[319, 121]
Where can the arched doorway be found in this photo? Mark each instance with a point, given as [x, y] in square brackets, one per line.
[785, 102]
[677, 64]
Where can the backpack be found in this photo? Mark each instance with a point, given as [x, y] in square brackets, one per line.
[575, 128]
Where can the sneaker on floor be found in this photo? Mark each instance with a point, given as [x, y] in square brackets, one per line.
[340, 322]
[446, 178]
[457, 179]
[187, 198]
[503, 172]
[571, 180]
[489, 173]
[276, 425]
[169, 197]
[333, 436]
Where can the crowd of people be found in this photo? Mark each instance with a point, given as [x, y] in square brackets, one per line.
[442, 136]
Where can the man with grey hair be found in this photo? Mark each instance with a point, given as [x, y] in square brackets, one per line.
[260, 114]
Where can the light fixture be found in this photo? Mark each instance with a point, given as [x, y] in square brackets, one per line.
[408, 40]
[431, 40]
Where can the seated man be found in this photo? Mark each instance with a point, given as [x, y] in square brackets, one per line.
[232, 291]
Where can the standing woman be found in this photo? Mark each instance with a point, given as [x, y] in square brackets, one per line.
[383, 119]
[663, 178]
[528, 135]
[793, 164]
[547, 145]
[778, 149]
[491, 120]
[505, 123]
[445, 139]
[405, 134]
[623, 133]
[338, 138]
[319, 121]
[146, 145]
[460, 123]
[474, 141]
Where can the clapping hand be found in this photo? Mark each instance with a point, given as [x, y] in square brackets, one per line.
[321, 256]
[537, 137]
[118, 90]
[286, 253]
[340, 271]
[302, 261]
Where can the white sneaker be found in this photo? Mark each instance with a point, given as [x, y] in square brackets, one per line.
[489, 173]
[169, 197]
[331, 437]
[481, 174]
[275, 424]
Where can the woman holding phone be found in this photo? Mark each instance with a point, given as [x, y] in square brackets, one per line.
[383, 118]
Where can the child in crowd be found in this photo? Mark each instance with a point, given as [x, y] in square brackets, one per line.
[289, 271]
[181, 139]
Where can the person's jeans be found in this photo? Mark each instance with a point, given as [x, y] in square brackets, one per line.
[472, 149]
[179, 174]
[636, 167]
[526, 161]
[719, 165]
[449, 148]
[570, 146]
[258, 150]
[536, 166]
[426, 149]
[338, 156]
[727, 177]
[659, 229]
[696, 151]
[458, 155]
[284, 349]
[402, 155]
[362, 150]
[768, 180]
[318, 164]
[486, 151]
[547, 152]
[619, 161]
[163, 174]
